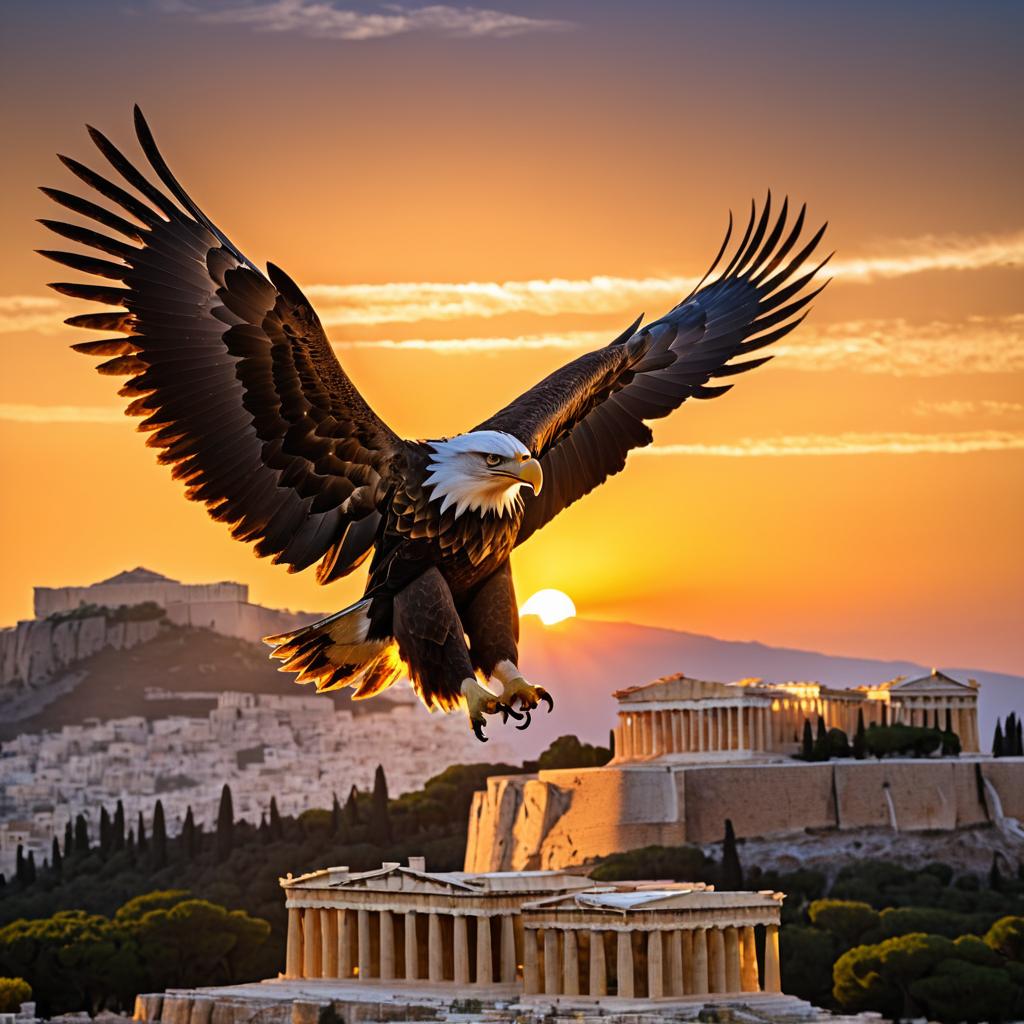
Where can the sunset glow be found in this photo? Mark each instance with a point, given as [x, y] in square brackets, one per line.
[550, 606]
[471, 203]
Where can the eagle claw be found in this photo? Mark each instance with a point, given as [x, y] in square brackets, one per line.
[478, 730]
[507, 712]
[526, 724]
[543, 695]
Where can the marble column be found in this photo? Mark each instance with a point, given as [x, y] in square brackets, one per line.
[293, 957]
[551, 971]
[311, 943]
[412, 947]
[508, 950]
[700, 961]
[716, 956]
[701, 744]
[655, 966]
[598, 971]
[484, 967]
[387, 945]
[748, 961]
[674, 973]
[689, 984]
[531, 975]
[328, 943]
[732, 960]
[435, 949]
[460, 942]
[741, 740]
[570, 963]
[624, 964]
[728, 728]
[772, 976]
[345, 964]
[365, 954]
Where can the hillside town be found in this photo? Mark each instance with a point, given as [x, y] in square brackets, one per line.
[300, 750]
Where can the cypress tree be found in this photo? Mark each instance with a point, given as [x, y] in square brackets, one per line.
[335, 814]
[995, 876]
[81, 834]
[732, 871]
[352, 808]
[69, 838]
[997, 739]
[118, 829]
[20, 865]
[264, 829]
[860, 746]
[821, 751]
[141, 834]
[105, 832]
[1019, 743]
[56, 861]
[130, 842]
[1010, 735]
[159, 851]
[225, 824]
[807, 743]
[276, 825]
[30, 868]
[380, 819]
[611, 741]
[189, 835]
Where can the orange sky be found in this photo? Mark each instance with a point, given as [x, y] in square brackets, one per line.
[861, 494]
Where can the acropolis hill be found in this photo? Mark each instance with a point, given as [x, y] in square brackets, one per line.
[692, 753]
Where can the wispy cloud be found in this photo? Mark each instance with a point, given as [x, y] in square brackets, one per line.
[15, 413]
[412, 302]
[30, 313]
[319, 19]
[790, 445]
[897, 347]
[962, 408]
[894, 347]
[850, 444]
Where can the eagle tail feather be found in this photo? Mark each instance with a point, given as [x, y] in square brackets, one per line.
[336, 651]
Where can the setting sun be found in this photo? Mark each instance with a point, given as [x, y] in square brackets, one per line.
[550, 606]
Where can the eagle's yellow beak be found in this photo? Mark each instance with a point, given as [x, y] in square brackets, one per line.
[531, 473]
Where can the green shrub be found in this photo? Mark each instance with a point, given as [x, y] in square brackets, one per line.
[14, 992]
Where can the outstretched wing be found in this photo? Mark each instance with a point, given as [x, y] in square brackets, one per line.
[234, 375]
[582, 420]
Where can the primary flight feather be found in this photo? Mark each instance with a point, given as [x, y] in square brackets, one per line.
[243, 396]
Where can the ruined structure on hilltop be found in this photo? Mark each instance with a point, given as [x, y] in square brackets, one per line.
[690, 717]
[690, 754]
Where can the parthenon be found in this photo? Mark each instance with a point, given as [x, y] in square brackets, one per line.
[530, 933]
[681, 718]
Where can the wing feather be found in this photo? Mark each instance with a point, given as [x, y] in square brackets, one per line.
[232, 372]
[582, 420]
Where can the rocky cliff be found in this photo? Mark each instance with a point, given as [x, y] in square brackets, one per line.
[34, 652]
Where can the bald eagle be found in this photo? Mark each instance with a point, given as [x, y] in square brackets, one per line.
[241, 393]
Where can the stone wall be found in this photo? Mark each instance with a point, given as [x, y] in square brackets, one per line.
[561, 818]
[110, 594]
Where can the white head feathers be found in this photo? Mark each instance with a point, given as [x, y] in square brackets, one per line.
[459, 475]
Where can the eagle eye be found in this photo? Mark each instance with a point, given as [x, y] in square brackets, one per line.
[492, 460]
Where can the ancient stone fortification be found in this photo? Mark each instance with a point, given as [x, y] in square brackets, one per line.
[560, 818]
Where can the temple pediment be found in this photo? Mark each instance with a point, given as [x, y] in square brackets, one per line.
[938, 683]
[677, 687]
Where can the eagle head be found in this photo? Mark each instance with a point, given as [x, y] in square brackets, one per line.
[481, 471]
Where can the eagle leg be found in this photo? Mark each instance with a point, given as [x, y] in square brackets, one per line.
[516, 688]
[479, 701]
